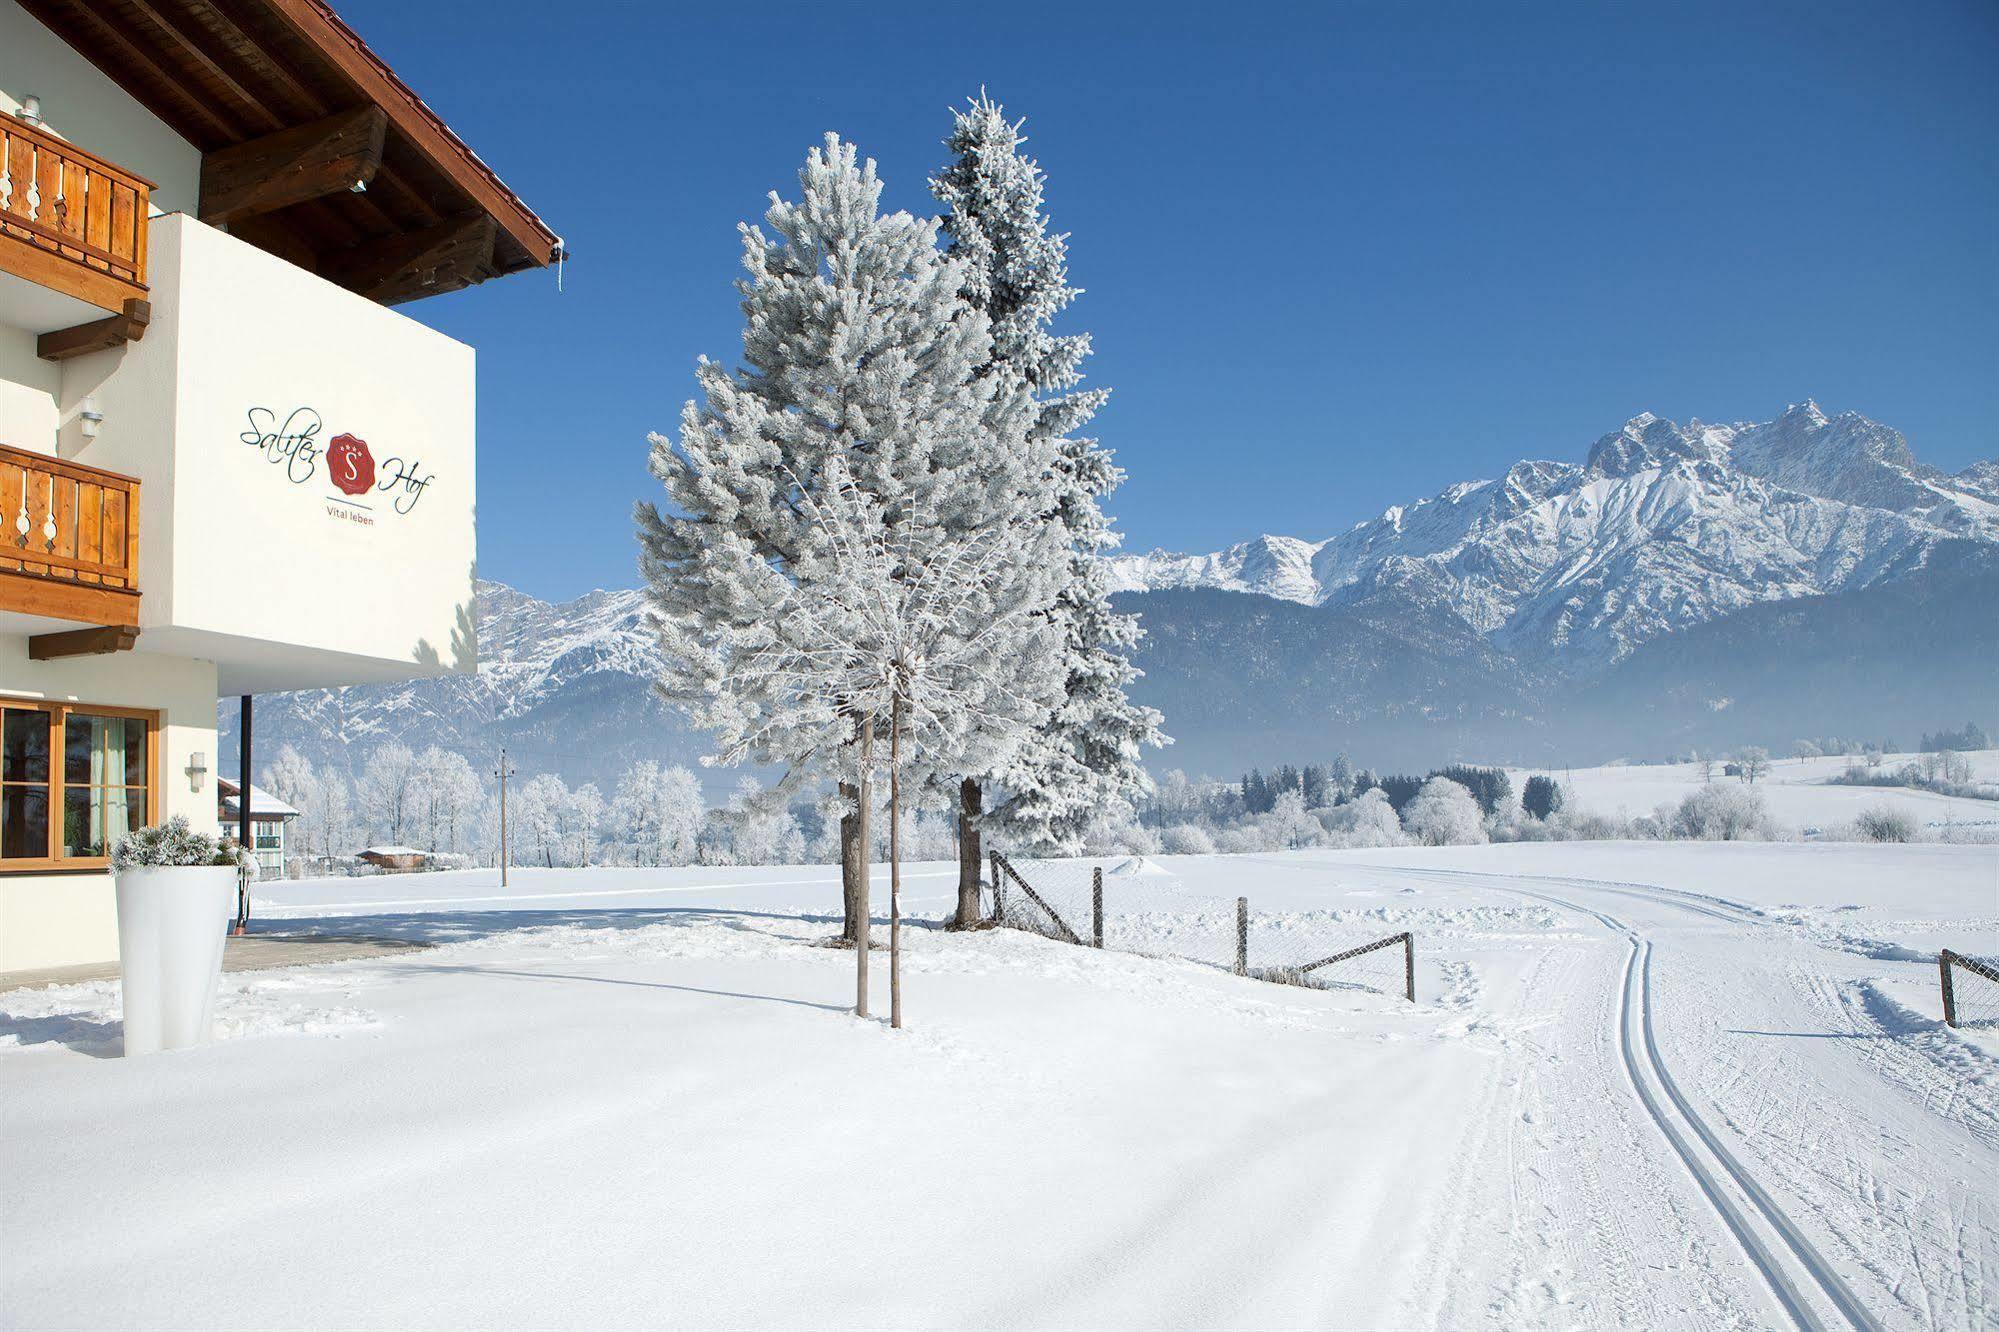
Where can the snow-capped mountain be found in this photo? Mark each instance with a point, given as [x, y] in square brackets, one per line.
[1664, 526]
[566, 687]
[1584, 609]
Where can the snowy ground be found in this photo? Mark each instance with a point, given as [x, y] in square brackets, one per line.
[1645, 1085]
[1799, 792]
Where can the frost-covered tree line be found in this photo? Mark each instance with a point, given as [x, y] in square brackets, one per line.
[1459, 805]
[1338, 805]
[1455, 806]
[1941, 771]
[437, 801]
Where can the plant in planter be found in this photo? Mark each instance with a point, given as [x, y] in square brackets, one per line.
[176, 892]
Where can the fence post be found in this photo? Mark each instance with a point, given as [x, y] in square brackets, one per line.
[999, 900]
[1097, 905]
[1409, 964]
[1242, 936]
[1949, 999]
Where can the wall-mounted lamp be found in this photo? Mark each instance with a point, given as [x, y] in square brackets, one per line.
[90, 418]
[197, 771]
[358, 187]
[31, 109]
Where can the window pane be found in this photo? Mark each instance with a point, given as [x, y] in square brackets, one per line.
[104, 751]
[24, 820]
[138, 770]
[95, 817]
[24, 747]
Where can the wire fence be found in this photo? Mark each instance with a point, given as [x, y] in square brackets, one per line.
[1970, 989]
[1059, 901]
[1140, 909]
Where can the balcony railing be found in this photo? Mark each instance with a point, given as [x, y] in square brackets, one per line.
[70, 220]
[69, 540]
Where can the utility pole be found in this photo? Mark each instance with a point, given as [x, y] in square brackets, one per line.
[243, 842]
[504, 773]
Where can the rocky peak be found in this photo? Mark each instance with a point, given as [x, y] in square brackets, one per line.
[1652, 441]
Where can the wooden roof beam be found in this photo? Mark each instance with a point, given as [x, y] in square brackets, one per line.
[128, 325]
[158, 90]
[314, 21]
[83, 642]
[305, 100]
[454, 253]
[310, 161]
[201, 47]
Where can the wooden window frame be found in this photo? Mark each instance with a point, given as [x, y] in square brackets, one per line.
[55, 862]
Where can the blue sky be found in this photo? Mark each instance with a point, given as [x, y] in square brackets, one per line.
[1337, 257]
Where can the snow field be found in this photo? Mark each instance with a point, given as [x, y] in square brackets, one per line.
[620, 1098]
[1800, 793]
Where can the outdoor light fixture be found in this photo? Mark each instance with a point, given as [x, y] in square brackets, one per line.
[90, 418]
[197, 771]
[31, 109]
[358, 187]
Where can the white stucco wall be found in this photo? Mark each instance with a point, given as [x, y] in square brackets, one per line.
[57, 920]
[384, 573]
[86, 108]
[257, 560]
[29, 388]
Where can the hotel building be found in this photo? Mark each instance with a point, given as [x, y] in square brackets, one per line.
[228, 463]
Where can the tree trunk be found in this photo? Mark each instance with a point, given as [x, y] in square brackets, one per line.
[971, 803]
[866, 793]
[853, 861]
[895, 862]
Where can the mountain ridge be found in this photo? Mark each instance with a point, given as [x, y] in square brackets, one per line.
[1479, 622]
[1574, 565]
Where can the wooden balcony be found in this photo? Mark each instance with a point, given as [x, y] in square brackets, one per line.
[69, 220]
[69, 542]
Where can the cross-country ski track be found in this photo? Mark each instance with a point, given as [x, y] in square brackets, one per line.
[1808, 1290]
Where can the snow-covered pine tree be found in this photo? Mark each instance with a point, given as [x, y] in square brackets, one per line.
[1017, 272]
[857, 346]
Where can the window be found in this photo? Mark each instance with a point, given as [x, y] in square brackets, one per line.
[74, 778]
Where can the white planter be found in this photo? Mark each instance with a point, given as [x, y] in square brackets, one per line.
[171, 923]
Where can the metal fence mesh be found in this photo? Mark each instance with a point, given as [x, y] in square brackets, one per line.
[1971, 990]
[1051, 897]
[1147, 911]
[1370, 964]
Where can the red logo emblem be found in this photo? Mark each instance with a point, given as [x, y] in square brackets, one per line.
[350, 464]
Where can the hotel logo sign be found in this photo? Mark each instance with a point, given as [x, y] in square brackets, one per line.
[351, 465]
[364, 485]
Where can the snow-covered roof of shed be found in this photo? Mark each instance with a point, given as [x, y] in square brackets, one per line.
[263, 805]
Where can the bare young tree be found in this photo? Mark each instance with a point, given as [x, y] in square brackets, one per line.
[327, 816]
[387, 791]
[1754, 762]
[935, 633]
[541, 810]
[445, 792]
[586, 809]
